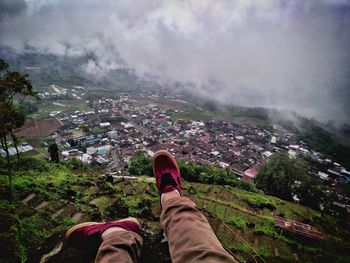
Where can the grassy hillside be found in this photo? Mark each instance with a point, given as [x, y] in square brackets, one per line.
[48, 198]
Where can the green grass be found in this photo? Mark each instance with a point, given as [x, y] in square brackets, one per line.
[142, 103]
[265, 250]
[294, 211]
[267, 229]
[248, 120]
[256, 200]
[193, 113]
[34, 227]
[43, 151]
[237, 221]
[102, 202]
[38, 182]
[67, 222]
[47, 106]
[242, 247]
[245, 212]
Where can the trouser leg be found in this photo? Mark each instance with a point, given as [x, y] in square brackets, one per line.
[190, 237]
[124, 246]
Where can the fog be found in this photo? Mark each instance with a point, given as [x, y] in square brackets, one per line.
[279, 54]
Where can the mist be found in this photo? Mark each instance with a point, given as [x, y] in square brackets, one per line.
[280, 54]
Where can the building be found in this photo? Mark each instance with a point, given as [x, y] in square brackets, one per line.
[24, 147]
[249, 174]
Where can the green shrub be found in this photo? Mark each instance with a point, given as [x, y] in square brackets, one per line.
[256, 200]
[22, 183]
[10, 245]
[68, 221]
[267, 229]
[211, 174]
[26, 163]
[33, 231]
[139, 164]
[237, 221]
[74, 164]
[246, 186]
[260, 202]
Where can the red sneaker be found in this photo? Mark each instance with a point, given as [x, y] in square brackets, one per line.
[88, 235]
[167, 172]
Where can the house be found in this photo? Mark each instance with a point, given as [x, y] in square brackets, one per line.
[112, 134]
[223, 164]
[323, 176]
[54, 113]
[126, 125]
[104, 150]
[85, 158]
[267, 154]
[105, 124]
[91, 150]
[71, 153]
[273, 140]
[24, 147]
[249, 174]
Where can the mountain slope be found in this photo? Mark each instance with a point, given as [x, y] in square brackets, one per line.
[48, 198]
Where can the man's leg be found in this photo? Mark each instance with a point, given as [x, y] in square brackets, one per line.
[119, 245]
[190, 237]
[116, 241]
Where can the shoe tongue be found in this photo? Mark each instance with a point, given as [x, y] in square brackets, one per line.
[167, 180]
[167, 171]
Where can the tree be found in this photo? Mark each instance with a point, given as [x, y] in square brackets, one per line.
[17, 120]
[282, 176]
[312, 194]
[13, 85]
[28, 107]
[205, 177]
[139, 164]
[53, 150]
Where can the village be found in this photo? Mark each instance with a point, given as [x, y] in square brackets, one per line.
[113, 129]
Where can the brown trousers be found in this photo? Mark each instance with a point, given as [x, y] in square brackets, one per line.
[189, 234]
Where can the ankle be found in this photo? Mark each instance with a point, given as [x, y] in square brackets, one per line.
[168, 195]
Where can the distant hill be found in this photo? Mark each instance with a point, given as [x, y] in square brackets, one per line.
[47, 69]
[48, 198]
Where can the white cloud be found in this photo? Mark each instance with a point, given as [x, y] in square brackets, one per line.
[285, 54]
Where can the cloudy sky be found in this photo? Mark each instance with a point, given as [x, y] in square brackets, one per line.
[291, 54]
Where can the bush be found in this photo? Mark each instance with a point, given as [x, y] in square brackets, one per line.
[67, 222]
[26, 163]
[266, 229]
[237, 221]
[280, 176]
[74, 164]
[139, 164]
[28, 107]
[261, 202]
[10, 246]
[211, 174]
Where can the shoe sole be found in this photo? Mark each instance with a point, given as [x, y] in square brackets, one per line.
[78, 226]
[73, 228]
[166, 153]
